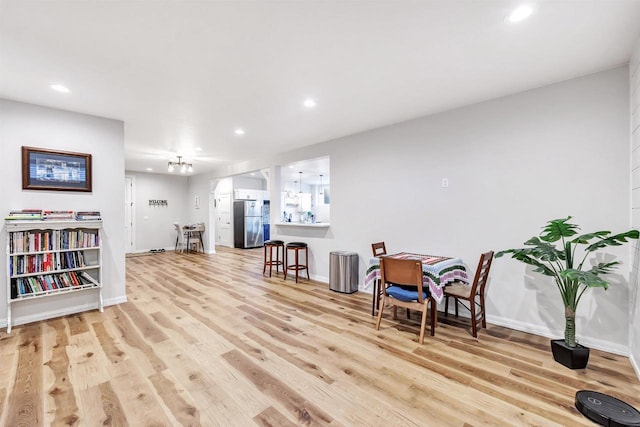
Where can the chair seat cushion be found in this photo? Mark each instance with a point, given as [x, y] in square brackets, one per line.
[459, 290]
[274, 242]
[296, 245]
[405, 294]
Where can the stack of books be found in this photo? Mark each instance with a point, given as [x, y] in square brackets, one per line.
[87, 215]
[22, 214]
[57, 215]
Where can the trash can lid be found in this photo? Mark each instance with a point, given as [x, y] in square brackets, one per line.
[343, 253]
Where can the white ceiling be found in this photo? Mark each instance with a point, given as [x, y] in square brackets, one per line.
[183, 75]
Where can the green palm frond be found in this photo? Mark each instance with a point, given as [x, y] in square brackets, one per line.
[543, 250]
[585, 278]
[616, 240]
[528, 257]
[558, 229]
[585, 238]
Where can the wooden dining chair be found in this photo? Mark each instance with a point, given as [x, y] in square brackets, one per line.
[402, 287]
[378, 249]
[180, 238]
[474, 294]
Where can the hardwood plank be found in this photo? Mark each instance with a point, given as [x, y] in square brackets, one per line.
[114, 415]
[270, 417]
[148, 329]
[138, 401]
[109, 346]
[308, 367]
[129, 335]
[304, 412]
[87, 364]
[24, 407]
[77, 324]
[185, 413]
[167, 323]
[66, 409]
[3, 395]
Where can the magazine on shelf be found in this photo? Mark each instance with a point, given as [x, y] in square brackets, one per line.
[88, 215]
[24, 214]
[57, 215]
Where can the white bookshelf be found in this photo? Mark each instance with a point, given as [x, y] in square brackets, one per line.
[52, 258]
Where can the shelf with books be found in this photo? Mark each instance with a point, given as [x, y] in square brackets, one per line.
[52, 258]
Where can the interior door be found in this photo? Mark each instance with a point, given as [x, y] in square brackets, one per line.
[223, 235]
[129, 214]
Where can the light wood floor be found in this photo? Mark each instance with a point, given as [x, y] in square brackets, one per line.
[207, 340]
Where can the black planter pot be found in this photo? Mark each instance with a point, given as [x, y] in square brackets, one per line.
[571, 357]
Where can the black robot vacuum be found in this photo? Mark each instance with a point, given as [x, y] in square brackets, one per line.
[606, 410]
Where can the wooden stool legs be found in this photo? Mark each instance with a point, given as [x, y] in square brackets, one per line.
[268, 261]
[297, 266]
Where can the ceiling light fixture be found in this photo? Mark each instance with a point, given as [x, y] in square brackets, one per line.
[59, 88]
[520, 14]
[239, 131]
[321, 187]
[300, 182]
[309, 103]
[149, 169]
[183, 166]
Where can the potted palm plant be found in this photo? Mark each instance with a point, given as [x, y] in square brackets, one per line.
[553, 254]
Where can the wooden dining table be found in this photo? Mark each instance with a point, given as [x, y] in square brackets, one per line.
[437, 271]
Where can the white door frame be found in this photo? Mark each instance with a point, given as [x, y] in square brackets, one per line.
[211, 232]
[130, 214]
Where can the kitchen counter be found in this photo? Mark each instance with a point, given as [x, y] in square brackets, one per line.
[304, 224]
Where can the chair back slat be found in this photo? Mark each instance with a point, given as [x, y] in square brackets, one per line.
[406, 272]
[482, 274]
[378, 249]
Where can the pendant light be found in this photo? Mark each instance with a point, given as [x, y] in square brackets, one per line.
[300, 182]
[321, 187]
[181, 165]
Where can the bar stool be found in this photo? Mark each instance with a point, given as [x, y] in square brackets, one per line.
[278, 245]
[296, 247]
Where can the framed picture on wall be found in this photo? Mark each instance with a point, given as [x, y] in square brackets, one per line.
[44, 169]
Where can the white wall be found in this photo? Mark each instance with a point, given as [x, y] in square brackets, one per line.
[32, 125]
[247, 183]
[634, 306]
[512, 164]
[154, 224]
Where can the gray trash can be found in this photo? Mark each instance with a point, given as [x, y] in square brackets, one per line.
[343, 271]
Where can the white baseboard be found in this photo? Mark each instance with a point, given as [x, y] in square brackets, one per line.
[542, 331]
[636, 366]
[319, 278]
[144, 251]
[21, 320]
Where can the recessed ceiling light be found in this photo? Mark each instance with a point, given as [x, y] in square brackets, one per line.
[239, 131]
[309, 103]
[59, 88]
[520, 14]
[198, 148]
[149, 169]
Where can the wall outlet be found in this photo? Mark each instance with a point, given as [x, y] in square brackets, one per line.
[445, 182]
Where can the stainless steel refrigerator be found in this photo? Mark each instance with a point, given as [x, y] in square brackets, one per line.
[247, 224]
